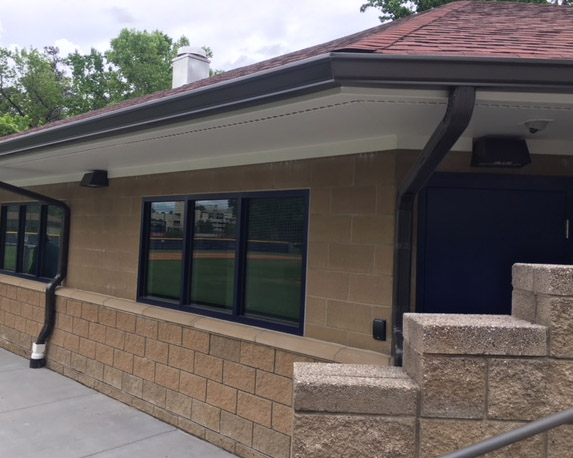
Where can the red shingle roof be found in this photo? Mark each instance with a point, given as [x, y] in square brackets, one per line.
[460, 29]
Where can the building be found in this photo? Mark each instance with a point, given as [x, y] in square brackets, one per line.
[332, 219]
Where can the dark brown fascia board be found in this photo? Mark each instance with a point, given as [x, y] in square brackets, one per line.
[309, 76]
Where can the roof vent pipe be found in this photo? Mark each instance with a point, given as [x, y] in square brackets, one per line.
[190, 65]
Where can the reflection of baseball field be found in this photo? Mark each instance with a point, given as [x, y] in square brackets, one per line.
[272, 286]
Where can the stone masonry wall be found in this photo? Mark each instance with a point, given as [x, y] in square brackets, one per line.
[465, 378]
[227, 383]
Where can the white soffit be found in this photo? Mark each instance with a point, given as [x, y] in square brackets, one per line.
[334, 122]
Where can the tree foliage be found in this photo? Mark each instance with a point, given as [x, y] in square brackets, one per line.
[396, 9]
[40, 86]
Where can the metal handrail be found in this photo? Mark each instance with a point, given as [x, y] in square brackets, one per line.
[531, 429]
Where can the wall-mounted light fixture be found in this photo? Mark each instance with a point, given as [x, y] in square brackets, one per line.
[95, 179]
[500, 152]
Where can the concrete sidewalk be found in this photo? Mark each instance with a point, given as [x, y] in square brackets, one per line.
[46, 414]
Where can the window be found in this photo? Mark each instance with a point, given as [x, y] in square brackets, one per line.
[240, 257]
[30, 237]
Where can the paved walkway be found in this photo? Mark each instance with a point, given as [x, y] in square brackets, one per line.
[46, 414]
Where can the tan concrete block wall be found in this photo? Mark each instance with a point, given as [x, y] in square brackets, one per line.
[214, 379]
[351, 233]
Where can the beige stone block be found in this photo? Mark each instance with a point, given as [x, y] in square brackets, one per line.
[320, 201]
[222, 396]
[191, 427]
[89, 312]
[80, 327]
[330, 228]
[227, 328]
[170, 333]
[94, 369]
[209, 367]
[557, 314]
[359, 356]
[254, 408]
[228, 349]
[453, 387]
[524, 305]
[196, 340]
[178, 403]
[258, 356]
[375, 168]
[123, 361]
[132, 385]
[112, 376]
[353, 388]
[107, 317]
[125, 322]
[274, 387]
[349, 316]
[104, 354]
[134, 344]
[323, 333]
[244, 451]
[115, 338]
[333, 171]
[374, 230]
[384, 259]
[181, 358]
[78, 362]
[524, 389]
[146, 327]
[315, 311]
[560, 442]
[351, 258]
[356, 436]
[367, 342]
[239, 376]
[144, 368]
[193, 385]
[167, 376]
[291, 174]
[386, 200]
[73, 307]
[354, 200]
[323, 283]
[97, 332]
[71, 341]
[156, 351]
[87, 348]
[236, 428]
[371, 289]
[440, 437]
[317, 255]
[271, 442]
[282, 418]
[474, 335]
[153, 393]
[284, 362]
[206, 415]
[554, 280]
[220, 441]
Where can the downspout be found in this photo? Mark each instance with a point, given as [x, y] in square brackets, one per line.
[458, 115]
[38, 358]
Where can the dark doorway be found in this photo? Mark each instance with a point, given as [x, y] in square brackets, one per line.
[473, 228]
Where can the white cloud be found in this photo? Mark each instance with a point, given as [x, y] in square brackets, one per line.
[67, 47]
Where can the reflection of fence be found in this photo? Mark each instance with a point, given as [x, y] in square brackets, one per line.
[222, 244]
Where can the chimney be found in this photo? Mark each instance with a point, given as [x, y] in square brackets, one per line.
[190, 65]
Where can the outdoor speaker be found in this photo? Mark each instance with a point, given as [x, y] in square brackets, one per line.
[500, 152]
[95, 179]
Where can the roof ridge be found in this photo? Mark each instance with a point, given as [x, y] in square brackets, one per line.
[409, 25]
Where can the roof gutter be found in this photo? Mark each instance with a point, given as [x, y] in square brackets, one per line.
[38, 358]
[458, 115]
[300, 78]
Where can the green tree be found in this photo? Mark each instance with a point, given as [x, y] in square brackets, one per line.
[396, 9]
[143, 60]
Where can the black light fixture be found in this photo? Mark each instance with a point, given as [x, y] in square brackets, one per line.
[95, 179]
[500, 152]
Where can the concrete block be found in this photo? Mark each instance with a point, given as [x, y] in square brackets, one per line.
[440, 437]
[353, 436]
[522, 276]
[454, 334]
[553, 279]
[560, 442]
[557, 314]
[354, 389]
[524, 305]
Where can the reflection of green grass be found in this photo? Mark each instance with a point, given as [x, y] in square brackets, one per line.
[10, 257]
[273, 286]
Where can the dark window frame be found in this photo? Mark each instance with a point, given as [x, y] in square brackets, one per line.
[184, 303]
[42, 229]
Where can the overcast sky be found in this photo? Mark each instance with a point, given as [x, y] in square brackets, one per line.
[238, 32]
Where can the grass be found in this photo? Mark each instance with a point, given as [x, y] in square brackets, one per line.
[272, 288]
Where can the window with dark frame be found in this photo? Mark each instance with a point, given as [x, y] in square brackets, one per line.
[30, 237]
[240, 257]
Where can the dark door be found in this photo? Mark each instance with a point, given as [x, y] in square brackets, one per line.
[473, 228]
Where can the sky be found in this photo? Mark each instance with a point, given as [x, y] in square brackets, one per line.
[239, 32]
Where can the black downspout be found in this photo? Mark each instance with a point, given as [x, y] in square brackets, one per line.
[458, 115]
[38, 358]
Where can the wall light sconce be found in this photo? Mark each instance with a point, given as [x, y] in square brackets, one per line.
[95, 179]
